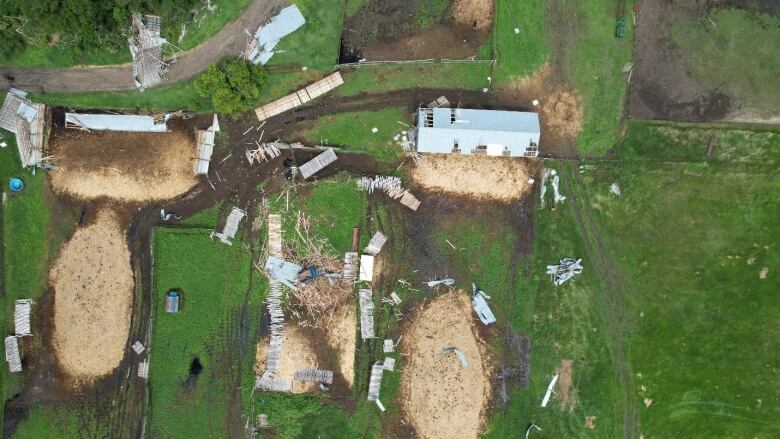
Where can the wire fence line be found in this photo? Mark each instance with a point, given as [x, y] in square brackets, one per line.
[418, 61]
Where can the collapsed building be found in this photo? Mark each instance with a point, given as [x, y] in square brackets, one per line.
[261, 45]
[146, 50]
[27, 120]
[467, 131]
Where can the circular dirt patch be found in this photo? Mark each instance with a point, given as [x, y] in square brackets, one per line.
[441, 398]
[93, 293]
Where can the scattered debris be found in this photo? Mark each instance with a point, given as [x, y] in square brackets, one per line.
[479, 303]
[461, 357]
[435, 283]
[318, 163]
[614, 189]
[168, 216]
[299, 97]
[366, 268]
[267, 381]
[376, 243]
[12, 354]
[138, 347]
[260, 47]
[528, 430]
[143, 369]
[375, 382]
[366, 313]
[388, 346]
[314, 376]
[441, 101]
[264, 152]
[231, 226]
[391, 186]
[375, 130]
[395, 298]
[146, 50]
[389, 364]
[535, 102]
[27, 120]
[205, 146]
[565, 270]
[550, 387]
[22, 309]
[350, 267]
[648, 402]
[763, 273]
[282, 271]
[590, 422]
[172, 302]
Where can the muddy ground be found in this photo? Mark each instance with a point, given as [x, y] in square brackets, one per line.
[386, 30]
[231, 176]
[662, 89]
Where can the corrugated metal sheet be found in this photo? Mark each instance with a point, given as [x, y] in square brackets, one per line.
[115, 122]
[499, 132]
[269, 35]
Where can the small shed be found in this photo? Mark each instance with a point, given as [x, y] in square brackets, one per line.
[172, 302]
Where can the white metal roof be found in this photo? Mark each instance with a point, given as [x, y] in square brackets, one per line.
[499, 131]
[116, 122]
[278, 27]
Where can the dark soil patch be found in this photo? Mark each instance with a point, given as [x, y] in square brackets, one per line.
[662, 88]
[389, 30]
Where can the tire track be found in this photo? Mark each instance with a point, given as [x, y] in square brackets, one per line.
[597, 253]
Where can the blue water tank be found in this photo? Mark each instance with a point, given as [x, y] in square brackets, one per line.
[16, 184]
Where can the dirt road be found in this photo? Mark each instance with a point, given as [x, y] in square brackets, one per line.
[230, 40]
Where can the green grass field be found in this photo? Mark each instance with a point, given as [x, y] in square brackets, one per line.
[316, 44]
[215, 281]
[384, 78]
[519, 54]
[43, 55]
[717, 49]
[352, 131]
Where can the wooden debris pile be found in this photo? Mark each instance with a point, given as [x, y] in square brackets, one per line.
[392, 187]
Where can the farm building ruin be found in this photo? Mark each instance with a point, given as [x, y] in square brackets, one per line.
[27, 120]
[115, 122]
[465, 131]
[261, 45]
[146, 50]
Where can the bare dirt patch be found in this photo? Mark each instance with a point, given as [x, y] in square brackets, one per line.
[479, 176]
[342, 337]
[93, 293]
[560, 108]
[297, 353]
[468, 12]
[441, 398]
[384, 30]
[130, 167]
[564, 381]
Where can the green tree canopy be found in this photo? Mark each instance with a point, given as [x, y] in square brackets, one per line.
[232, 85]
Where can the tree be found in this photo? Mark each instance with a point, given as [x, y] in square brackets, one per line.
[232, 85]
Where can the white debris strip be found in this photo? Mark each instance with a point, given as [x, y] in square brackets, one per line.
[558, 198]
[268, 381]
[376, 243]
[366, 313]
[12, 354]
[366, 268]
[231, 226]
[389, 364]
[318, 163]
[551, 174]
[480, 305]
[396, 299]
[614, 189]
[138, 347]
[391, 186]
[264, 152]
[314, 376]
[565, 270]
[350, 267]
[435, 283]
[375, 382]
[388, 346]
[22, 317]
[143, 369]
[275, 235]
[550, 387]
[205, 141]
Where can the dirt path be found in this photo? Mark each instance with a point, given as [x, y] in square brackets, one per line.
[230, 40]
[605, 269]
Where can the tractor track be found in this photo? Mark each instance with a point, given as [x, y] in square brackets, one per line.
[607, 275]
